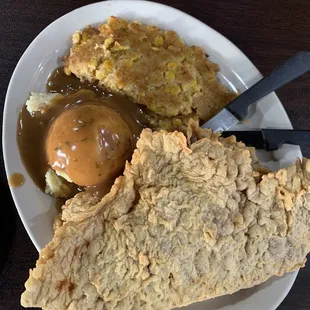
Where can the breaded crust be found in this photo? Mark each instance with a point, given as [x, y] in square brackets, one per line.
[152, 66]
[188, 221]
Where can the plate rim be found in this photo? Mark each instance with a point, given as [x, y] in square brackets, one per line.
[255, 72]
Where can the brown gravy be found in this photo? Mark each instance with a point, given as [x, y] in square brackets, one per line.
[32, 129]
[16, 180]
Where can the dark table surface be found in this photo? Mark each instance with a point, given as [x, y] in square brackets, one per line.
[267, 31]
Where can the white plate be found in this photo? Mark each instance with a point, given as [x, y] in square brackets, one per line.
[43, 55]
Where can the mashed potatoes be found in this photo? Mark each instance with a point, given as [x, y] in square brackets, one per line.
[84, 139]
[55, 185]
[38, 102]
[89, 143]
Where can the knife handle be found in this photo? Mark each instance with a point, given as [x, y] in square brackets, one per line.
[287, 72]
[274, 138]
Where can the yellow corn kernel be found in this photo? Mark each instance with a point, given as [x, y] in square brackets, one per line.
[117, 23]
[119, 47]
[189, 84]
[159, 41]
[142, 94]
[108, 42]
[167, 89]
[100, 75]
[169, 76]
[196, 88]
[172, 65]
[76, 38]
[176, 122]
[92, 63]
[134, 57]
[120, 84]
[164, 125]
[67, 71]
[105, 28]
[108, 64]
[175, 90]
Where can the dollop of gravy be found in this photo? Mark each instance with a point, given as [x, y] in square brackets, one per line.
[16, 180]
[32, 129]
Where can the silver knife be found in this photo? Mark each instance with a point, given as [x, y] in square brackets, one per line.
[237, 110]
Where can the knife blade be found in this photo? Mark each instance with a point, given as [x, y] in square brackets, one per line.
[237, 110]
[271, 139]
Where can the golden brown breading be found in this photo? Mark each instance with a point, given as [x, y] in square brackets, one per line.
[152, 66]
[186, 222]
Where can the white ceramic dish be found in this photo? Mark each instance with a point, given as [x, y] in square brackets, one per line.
[43, 55]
